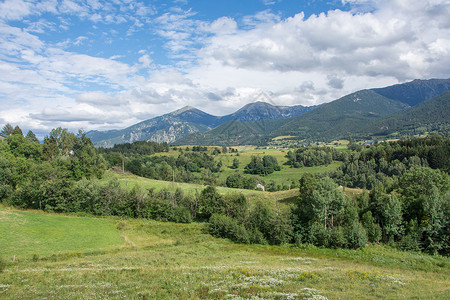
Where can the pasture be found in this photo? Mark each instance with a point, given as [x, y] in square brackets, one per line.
[144, 259]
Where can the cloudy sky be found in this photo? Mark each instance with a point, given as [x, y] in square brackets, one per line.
[96, 64]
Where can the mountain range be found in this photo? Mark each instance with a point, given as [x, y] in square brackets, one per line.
[380, 111]
[188, 120]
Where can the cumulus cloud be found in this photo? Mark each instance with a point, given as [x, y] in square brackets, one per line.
[216, 65]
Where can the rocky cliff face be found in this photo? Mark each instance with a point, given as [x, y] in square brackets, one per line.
[187, 120]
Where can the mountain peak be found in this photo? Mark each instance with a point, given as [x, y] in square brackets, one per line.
[182, 110]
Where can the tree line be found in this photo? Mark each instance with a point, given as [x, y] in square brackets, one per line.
[407, 206]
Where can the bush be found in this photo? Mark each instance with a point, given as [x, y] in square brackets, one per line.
[410, 242]
[256, 237]
[356, 236]
[318, 235]
[337, 238]
[225, 227]
[182, 215]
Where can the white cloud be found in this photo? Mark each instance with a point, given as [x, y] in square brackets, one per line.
[223, 25]
[218, 65]
[15, 9]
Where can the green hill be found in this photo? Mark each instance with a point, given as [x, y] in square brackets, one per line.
[356, 115]
[416, 91]
[233, 133]
[429, 115]
[340, 118]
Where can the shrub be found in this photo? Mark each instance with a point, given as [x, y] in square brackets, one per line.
[225, 227]
[356, 236]
[337, 238]
[256, 237]
[182, 215]
[410, 242]
[318, 235]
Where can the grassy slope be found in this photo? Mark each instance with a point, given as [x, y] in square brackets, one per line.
[173, 261]
[246, 152]
[130, 180]
[27, 233]
[285, 176]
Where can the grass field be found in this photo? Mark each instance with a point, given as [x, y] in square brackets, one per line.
[285, 176]
[25, 234]
[129, 180]
[157, 260]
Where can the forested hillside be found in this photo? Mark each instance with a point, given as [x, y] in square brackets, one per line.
[432, 115]
[406, 202]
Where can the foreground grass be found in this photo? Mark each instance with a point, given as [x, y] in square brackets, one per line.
[175, 261]
[26, 234]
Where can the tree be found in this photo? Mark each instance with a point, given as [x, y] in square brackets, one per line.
[235, 180]
[391, 211]
[210, 202]
[235, 164]
[17, 130]
[267, 165]
[31, 137]
[327, 202]
[7, 130]
[414, 188]
[436, 208]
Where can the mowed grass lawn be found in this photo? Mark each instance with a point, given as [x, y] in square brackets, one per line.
[158, 260]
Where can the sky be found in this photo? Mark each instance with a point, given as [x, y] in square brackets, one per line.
[101, 65]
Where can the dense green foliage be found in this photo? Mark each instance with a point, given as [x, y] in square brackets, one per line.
[313, 156]
[136, 148]
[239, 181]
[35, 175]
[408, 206]
[194, 167]
[384, 163]
[262, 166]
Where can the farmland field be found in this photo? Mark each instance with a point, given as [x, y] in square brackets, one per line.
[146, 259]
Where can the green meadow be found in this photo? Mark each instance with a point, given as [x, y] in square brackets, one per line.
[286, 176]
[72, 257]
[27, 233]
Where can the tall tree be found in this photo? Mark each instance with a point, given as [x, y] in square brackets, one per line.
[7, 129]
[31, 137]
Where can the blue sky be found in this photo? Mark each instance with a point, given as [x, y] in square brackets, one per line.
[100, 65]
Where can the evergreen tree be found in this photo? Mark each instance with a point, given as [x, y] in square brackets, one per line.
[31, 137]
[7, 130]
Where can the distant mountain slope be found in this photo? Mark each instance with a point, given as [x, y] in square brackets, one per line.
[429, 114]
[165, 128]
[262, 111]
[233, 133]
[330, 119]
[415, 92]
[339, 118]
[188, 120]
[350, 115]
